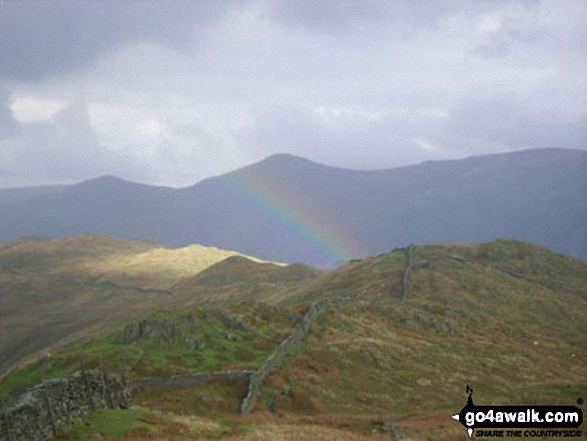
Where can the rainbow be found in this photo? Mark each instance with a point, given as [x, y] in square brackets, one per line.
[324, 237]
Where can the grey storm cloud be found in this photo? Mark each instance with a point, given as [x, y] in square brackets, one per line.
[348, 15]
[175, 92]
[521, 123]
[46, 38]
[63, 150]
[374, 137]
[7, 122]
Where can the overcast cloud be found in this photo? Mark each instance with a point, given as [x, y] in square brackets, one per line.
[174, 92]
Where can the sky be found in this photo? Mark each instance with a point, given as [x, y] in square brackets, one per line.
[172, 92]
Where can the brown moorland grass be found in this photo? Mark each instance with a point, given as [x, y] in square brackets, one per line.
[58, 291]
[497, 316]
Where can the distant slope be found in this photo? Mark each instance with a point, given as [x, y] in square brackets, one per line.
[238, 278]
[104, 205]
[290, 209]
[55, 289]
[23, 193]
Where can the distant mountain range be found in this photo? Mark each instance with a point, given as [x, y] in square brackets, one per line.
[290, 209]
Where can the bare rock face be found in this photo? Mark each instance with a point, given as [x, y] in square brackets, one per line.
[172, 331]
[131, 333]
[167, 330]
[230, 321]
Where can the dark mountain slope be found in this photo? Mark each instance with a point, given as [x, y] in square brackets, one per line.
[290, 209]
[23, 193]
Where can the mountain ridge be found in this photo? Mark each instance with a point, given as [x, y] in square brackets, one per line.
[287, 208]
[284, 156]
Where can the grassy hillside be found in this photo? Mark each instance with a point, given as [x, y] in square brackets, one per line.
[56, 289]
[237, 278]
[506, 317]
[190, 341]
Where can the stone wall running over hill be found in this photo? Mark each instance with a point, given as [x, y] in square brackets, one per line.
[409, 265]
[279, 354]
[188, 381]
[40, 411]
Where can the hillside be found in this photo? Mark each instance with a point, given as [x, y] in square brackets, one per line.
[56, 289]
[237, 278]
[289, 209]
[24, 193]
[391, 344]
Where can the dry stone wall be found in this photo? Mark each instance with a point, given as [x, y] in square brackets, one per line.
[277, 357]
[409, 265]
[178, 382]
[42, 410]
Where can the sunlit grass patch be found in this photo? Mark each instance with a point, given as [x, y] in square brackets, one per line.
[110, 423]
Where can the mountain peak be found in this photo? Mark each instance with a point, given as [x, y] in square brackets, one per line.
[104, 180]
[280, 163]
[285, 158]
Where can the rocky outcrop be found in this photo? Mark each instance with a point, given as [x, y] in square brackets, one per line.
[41, 411]
[168, 331]
[231, 322]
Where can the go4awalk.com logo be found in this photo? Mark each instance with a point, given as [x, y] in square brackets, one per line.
[520, 421]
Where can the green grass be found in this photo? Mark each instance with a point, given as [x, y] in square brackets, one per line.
[511, 321]
[110, 423]
[151, 357]
[63, 290]
[397, 356]
[142, 423]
